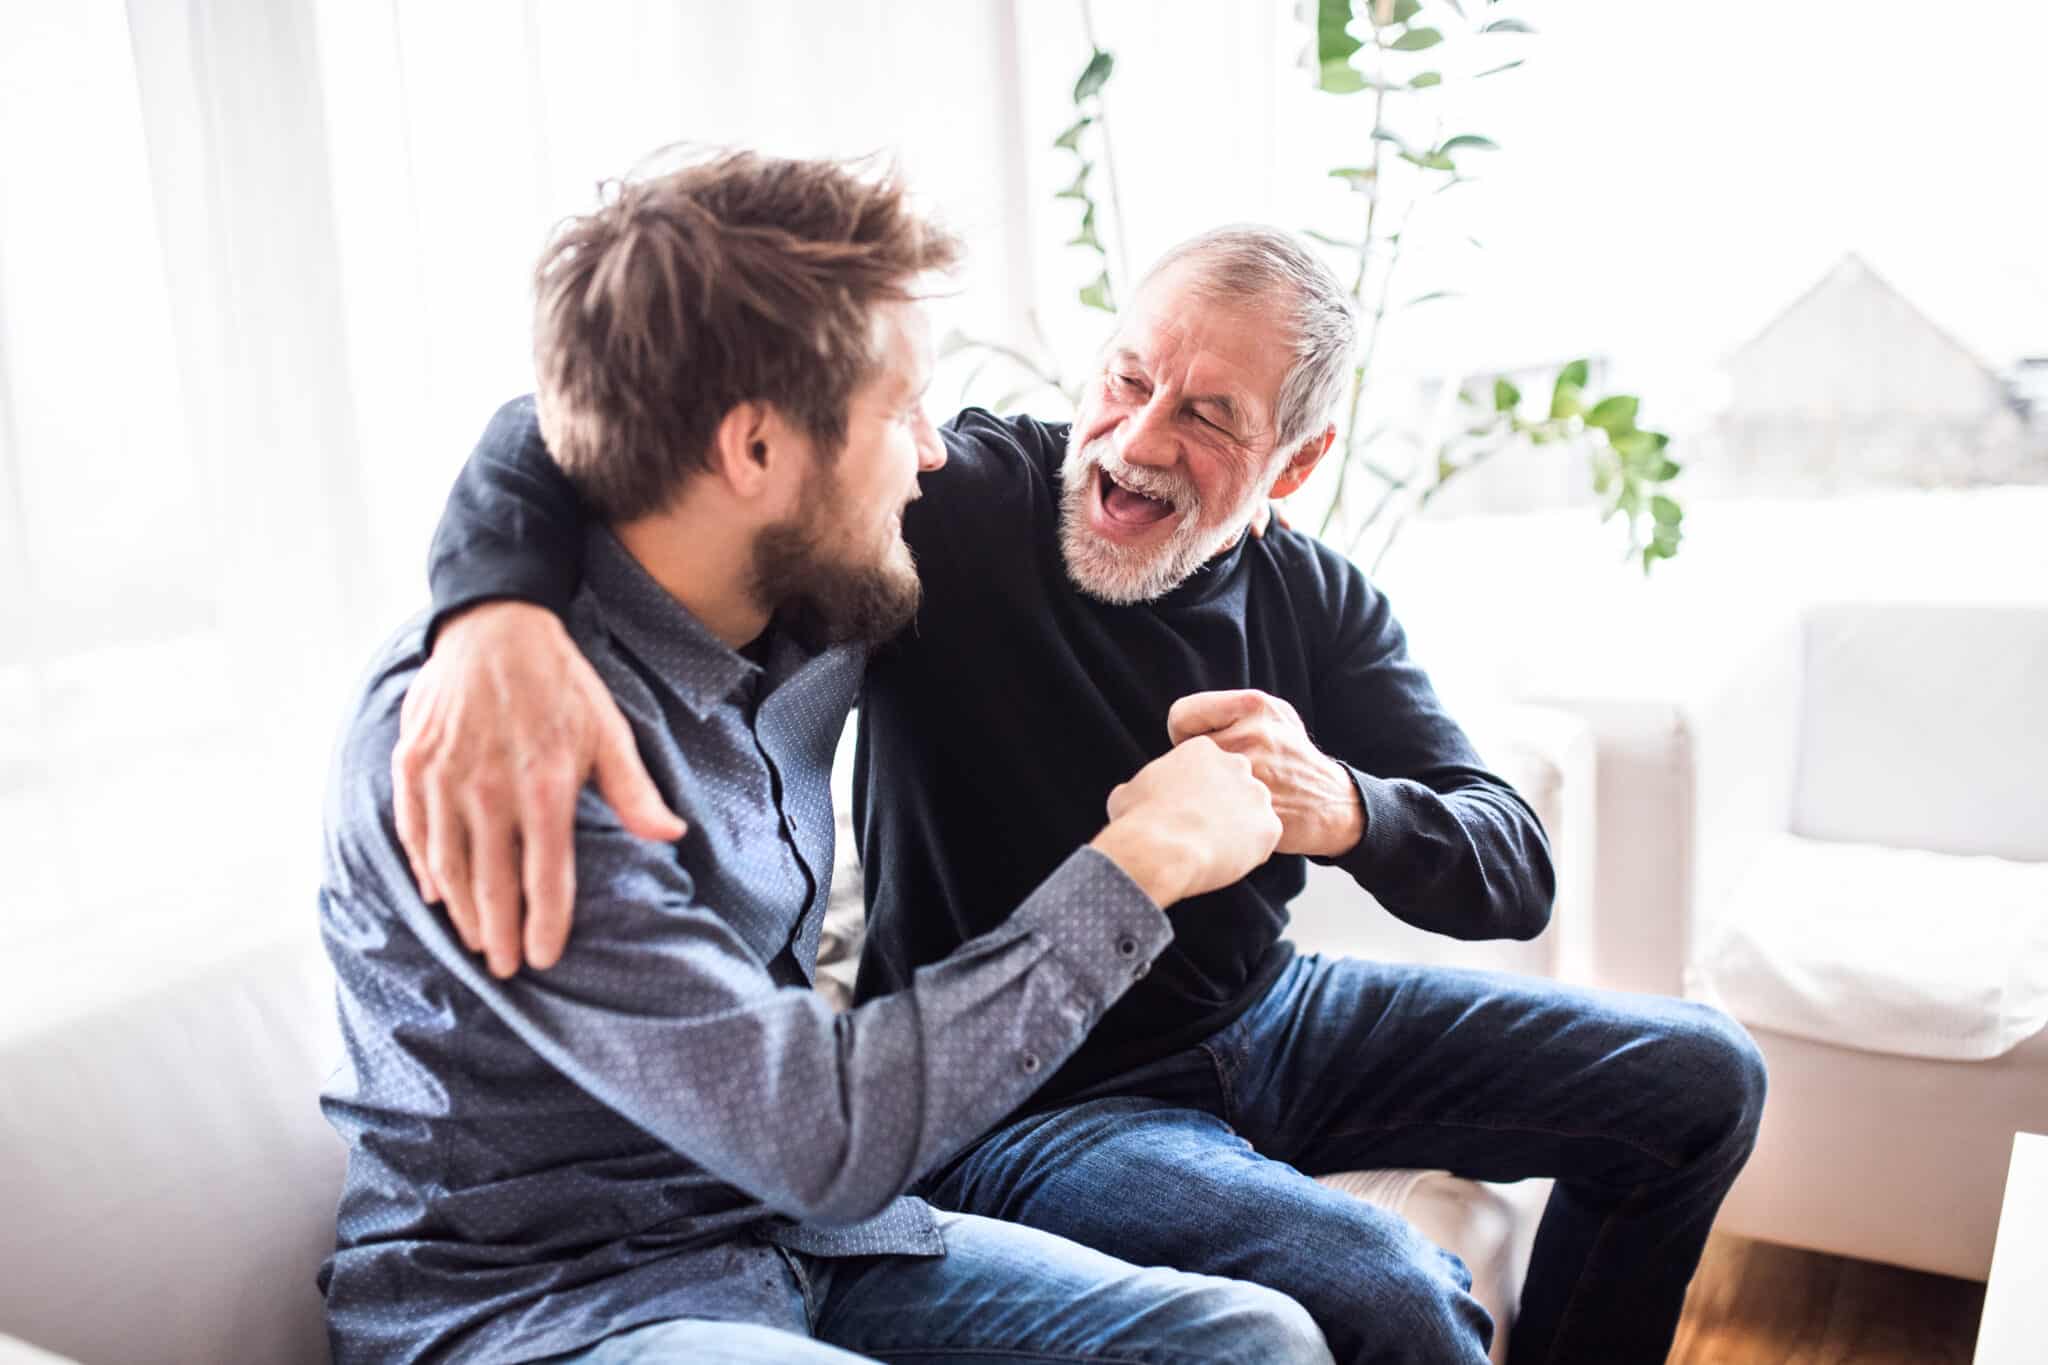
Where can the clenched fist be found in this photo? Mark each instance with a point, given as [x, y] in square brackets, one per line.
[1314, 796]
[1192, 820]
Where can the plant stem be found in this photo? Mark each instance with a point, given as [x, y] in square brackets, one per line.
[1379, 509]
[1116, 201]
[1365, 251]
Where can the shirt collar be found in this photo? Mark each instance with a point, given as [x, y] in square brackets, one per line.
[703, 670]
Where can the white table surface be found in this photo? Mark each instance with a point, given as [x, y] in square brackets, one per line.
[2014, 1330]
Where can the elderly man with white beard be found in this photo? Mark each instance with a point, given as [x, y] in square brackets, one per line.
[1095, 595]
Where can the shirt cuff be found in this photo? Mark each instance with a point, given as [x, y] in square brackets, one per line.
[1104, 930]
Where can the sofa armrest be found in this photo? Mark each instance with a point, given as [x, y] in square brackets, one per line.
[1548, 756]
[1688, 784]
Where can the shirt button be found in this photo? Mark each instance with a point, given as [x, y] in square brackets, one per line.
[1127, 946]
[1030, 1063]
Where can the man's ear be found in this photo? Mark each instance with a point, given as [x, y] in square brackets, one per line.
[1303, 462]
[747, 447]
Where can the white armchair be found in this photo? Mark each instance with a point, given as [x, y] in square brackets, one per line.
[1842, 838]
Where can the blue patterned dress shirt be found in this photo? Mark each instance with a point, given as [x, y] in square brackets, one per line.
[668, 1121]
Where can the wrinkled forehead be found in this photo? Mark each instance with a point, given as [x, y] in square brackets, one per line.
[1192, 335]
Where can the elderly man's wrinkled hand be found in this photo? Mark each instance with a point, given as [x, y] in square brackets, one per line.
[1313, 794]
[499, 731]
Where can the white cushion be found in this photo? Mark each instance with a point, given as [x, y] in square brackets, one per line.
[1921, 727]
[1489, 1227]
[1888, 950]
[170, 1181]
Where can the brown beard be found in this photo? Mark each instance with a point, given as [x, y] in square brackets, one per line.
[822, 598]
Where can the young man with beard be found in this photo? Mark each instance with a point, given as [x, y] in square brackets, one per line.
[668, 1148]
[1093, 600]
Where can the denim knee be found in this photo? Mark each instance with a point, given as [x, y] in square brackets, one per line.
[1725, 1079]
[1422, 1312]
[1234, 1322]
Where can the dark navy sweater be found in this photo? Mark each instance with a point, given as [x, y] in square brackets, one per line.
[994, 727]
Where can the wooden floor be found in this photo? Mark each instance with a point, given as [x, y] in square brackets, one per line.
[1753, 1303]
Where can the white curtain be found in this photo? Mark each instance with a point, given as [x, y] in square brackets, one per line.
[263, 277]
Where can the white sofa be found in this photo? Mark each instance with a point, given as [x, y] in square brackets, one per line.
[1841, 836]
[169, 1183]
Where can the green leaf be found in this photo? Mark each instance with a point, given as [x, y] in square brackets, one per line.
[1335, 47]
[1070, 141]
[1605, 472]
[1634, 444]
[1505, 395]
[1506, 26]
[1432, 296]
[1086, 235]
[1417, 40]
[1426, 80]
[1359, 177]
[1095, 76]
[1340, 78]
[1565, 399]
[1430, 161]
[1504, 66]
[1096, 295]
[1079, 189]
[1578, 372]
[1404, 10]
[1667, 512]
[1613, 414]
[1664, 472]
[1472, 140]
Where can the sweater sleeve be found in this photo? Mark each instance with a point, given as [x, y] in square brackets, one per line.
[1448, 846]
[513, 526]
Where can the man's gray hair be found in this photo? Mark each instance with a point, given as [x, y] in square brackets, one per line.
[1249, 262]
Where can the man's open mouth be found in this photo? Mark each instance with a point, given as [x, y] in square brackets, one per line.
[1127, 506]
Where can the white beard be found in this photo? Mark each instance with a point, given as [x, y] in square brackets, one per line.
[1122, 574]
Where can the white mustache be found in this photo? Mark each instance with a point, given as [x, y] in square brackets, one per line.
[1172, 489]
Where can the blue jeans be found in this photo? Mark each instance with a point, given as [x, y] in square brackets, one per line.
[1001, 1294]
[1643, 1108]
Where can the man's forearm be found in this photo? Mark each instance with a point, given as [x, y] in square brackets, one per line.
[1471, 861]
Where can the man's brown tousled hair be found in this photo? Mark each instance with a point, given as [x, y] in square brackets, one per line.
[736, 278]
